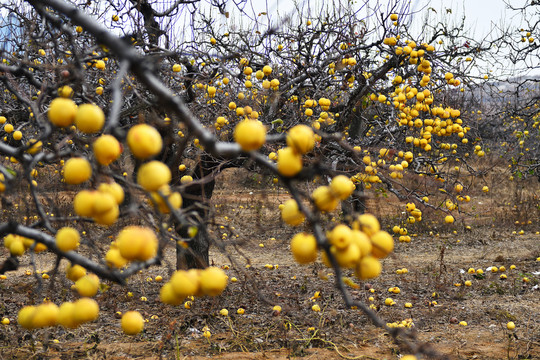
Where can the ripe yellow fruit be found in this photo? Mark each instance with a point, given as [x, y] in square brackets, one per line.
[89, 119]
[510, 325]
[65, 315]
[144, 141]
[46, 315]
[362, 241]
[369, 267]
[100, 65]
[114, 259]
[107, 218]
[168, 296]
[85, 310]
[250, 134]
[114, 189]
[35, 146]
[137, 243]
[25, 317]
[342, 187]
[340, 236]
[301, 138]
[213, 281]
[289, 162]
[75, 272]
[185, 283]
[304, 248]
[290, 213]
[153, 175]
[186, 179]
[77, 171]
[65, 91]
[8, 128]
[383, 244]
[267, 70]
[393, 17]
[107, 149]
[103, 203]
[324, 198]
[132, 322]
[83, 203]
[87, 285]
[347, 257]
[449, 219]
[62, 112]
[17, 135]
[174, 199]
[177, 68]
[368, 223]
[67, 239]
[16, 248]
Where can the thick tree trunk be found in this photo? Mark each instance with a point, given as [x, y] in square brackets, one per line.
[195, 254]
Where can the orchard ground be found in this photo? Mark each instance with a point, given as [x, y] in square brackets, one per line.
[246, 204]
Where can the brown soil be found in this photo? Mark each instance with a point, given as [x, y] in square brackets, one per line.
[247, 210]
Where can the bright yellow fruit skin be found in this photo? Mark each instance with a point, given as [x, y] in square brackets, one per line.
[26, 316]
[114, 189]
[324, 198]
[369, 267]
[89, 119]
[185, 283]
[301, 138]
[77, 171]
[85, 310]
[83, 203]
[342, 187]
[66, 317]
[290, 213]
[62, 112]
[383, 244]
[304, 248]
[46, 315]
[75, 272]
[114, 259]
[67, 239]
[144, 141]
[137, 243]
[132, 322]
[250, 134]
[368, 223]
[340, 236]
[213, 281]
[87, 285]
[107, 149]
[174, 199]
[168, 296]
[289, 162]
[153, 175]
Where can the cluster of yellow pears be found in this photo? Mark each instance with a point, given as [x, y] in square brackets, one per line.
[358, 248]
[17, 244]
[194, 282]
[69, 314]
[102, 204]
[133, 243]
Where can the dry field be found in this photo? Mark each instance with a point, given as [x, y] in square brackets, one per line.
[247, 206]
